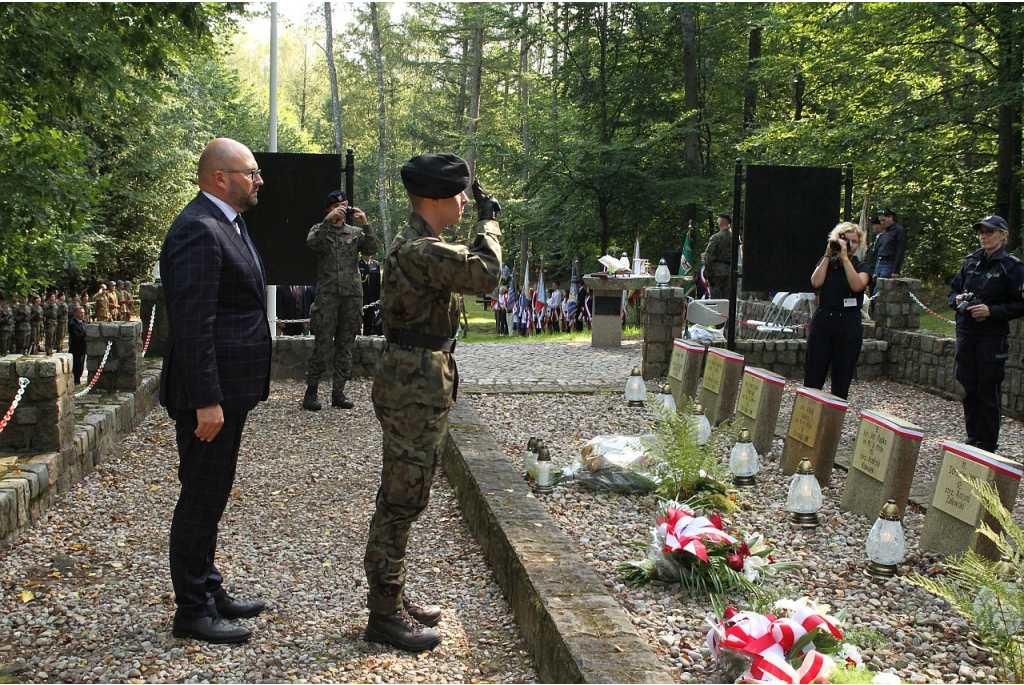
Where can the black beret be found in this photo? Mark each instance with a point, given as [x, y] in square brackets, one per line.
[436, 176]
[334, 197]
[725, 216]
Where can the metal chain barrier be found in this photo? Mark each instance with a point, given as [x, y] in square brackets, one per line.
[22, 384]
[149, 333]
[923, 306]
[96, 377]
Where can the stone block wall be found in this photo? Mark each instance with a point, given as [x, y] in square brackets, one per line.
[123, 369]
[759, 310]
[787, 357]
[291, 353]
[662, 321]
[44, 419]
[895, 310]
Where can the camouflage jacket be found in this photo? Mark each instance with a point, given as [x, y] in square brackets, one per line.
[21, 314]
[100, 301]
[35, 315]
[6, 317]
[62, 312]
[421, 276]
[50, 313]
[720, 253]
[337, 251]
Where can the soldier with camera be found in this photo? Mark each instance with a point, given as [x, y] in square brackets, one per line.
[836, 333]
[986, 294]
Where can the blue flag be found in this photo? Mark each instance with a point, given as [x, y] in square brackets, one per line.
[572, 303]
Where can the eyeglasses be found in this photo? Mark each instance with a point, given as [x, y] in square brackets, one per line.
[252, 173]
[987, 231]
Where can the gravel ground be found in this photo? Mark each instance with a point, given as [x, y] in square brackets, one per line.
[293, 535]
[900, 628]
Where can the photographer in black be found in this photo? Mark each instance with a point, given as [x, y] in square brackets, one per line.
[986, 294]
[835, 335]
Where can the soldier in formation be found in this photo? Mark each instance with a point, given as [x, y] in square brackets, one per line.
[22, 328]
[35, 324]
[49, 324]
[6, 326]
[101, 304]
[336, 313]
[62, 321]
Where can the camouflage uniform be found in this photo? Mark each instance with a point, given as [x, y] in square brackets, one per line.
[6, 329]
[35, 324]
[21, 313]
[416, 383]
[113, 304]
[62, 324]
[719, 257]
[337, 311]
[49, 326]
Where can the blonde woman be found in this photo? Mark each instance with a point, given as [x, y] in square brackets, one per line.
[835, 335]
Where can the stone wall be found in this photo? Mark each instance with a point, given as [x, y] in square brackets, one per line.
[662, 321]
[123, 369]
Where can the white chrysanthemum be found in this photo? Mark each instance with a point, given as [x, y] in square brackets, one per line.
[752, 568]
[886, 679]
[850, 652]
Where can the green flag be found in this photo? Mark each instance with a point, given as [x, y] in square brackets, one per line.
[686, 263]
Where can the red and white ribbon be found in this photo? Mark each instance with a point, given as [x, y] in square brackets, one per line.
[686, 533]
[149, 333]
[96, 377]
[22, 384]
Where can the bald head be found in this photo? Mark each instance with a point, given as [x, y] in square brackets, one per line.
[224, 170]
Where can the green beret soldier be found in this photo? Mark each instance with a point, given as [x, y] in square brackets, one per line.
[35, 324]
[21, 313]
[62, 322]
[6, 326]
[417, 378]
[49, 324]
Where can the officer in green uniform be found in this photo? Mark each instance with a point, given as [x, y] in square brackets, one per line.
[417, 380]
[35, 324]
[337, 311]
[21, 313]
[62, 321]
[6, 326]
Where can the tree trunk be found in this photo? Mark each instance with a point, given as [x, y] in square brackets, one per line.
[524, 94]
[460, 114]
[691, 102]
[474, 98]
[1008, 157]
[335, 106]
[753, 57]
[382, 140]
[556, 46]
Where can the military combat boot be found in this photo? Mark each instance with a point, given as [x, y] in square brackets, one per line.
[338, 398]
[309, 400]
[428, 614]
[402, 631]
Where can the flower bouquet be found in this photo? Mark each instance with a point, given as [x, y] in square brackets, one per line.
[798, 643]
[696, 551]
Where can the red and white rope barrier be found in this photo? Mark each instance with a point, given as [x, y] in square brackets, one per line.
[96, 377]
[22, 384]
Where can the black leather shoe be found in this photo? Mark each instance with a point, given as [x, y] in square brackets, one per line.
[231, 608]
[429, 615]
[402, 631]
[212, 629]
[339, 400]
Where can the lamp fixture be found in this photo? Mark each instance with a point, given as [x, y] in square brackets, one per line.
[804, 498]
[886, 546]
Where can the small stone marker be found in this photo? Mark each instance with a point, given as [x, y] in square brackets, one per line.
[814, 430]
[950, 526]
[721, 384]
[684, 369]
[758, 405]
[883, 464]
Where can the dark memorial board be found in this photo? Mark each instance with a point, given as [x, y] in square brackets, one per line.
[291, 200]
[788, 214]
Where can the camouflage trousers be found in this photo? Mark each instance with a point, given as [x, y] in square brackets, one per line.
[414, 436]
[6, 338]
[21, 339]
[35, 337]
[50, 337]
[334, 321]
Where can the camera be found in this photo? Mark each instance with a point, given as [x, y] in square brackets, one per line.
[836, 248]
[350, 214]
[968, 301]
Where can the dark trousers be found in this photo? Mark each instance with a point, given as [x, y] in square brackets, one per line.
[833, 339]
[77, 366]
[980, 367]
[207, 472]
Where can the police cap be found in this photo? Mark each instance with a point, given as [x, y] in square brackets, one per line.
[335, 197]
[996, 222]
[436, 176]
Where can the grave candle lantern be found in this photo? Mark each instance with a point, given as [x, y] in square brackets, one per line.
[702, 423]
[662, 275]
[542, 485]
[886, 545]
[636, 391]
[804, 497]
[744, 462]
[665, 399]
[530, 457]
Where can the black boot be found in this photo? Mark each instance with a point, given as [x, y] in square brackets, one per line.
[402, 631]
[309, 400]
[338, 398]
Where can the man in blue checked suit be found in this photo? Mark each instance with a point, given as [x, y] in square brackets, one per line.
[216, 369]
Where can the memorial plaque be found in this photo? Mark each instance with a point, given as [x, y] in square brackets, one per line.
[714, 367]
[954, 496]
[814, 431]
[882, 468]
[721, 384]
[758, 406]
[952, 521]
[803, 425]
[684, 369]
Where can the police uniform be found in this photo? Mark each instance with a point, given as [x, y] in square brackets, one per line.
[417, 380]
[719, 257]
[835, 334]
[336, 313]
[981, 345]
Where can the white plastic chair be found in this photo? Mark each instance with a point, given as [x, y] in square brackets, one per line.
[782, 326]
[772, 312]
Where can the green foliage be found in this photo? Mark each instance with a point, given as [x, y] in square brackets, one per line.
[687, 469]
[989, 595]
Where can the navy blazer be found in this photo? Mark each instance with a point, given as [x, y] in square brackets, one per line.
[218, 342]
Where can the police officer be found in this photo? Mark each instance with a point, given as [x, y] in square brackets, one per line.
[986, 294]
[417, 379]
[337, 311]
[835, 335]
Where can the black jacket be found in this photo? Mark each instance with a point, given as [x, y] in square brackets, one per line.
[996, 281]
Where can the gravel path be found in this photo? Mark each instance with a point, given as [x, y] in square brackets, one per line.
[293, 535]
[899, 628]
